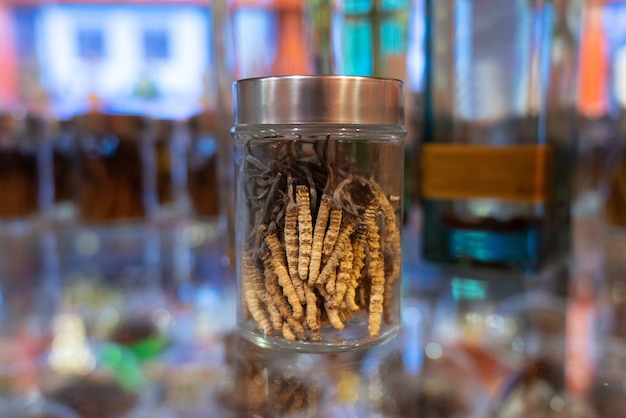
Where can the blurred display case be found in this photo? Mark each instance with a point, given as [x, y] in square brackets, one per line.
[73, 345]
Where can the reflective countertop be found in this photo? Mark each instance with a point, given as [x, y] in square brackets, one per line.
[472, 344]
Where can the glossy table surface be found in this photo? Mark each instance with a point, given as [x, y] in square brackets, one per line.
[470, 346]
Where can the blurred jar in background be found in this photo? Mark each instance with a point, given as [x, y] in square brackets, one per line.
[25, 165]
[117, 172]
[500, 106]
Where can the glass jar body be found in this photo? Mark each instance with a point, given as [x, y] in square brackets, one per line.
[318, 224]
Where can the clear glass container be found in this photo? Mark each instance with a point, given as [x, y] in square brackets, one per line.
[116, 237]
[319, 176]
[496, 157]
[117, 168]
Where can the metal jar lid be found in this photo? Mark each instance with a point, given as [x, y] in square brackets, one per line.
[318, 99]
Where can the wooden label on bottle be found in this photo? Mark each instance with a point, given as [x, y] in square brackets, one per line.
[512, 172]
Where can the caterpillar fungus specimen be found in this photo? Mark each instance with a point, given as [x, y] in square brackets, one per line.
[324, 240]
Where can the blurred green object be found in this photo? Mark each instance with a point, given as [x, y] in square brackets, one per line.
[148, 348]
[124, 365]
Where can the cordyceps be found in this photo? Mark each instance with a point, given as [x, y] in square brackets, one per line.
[325, 250]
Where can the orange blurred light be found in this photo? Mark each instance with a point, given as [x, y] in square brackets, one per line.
[8, 61]
[594, 64]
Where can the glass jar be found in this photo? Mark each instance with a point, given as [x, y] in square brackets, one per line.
[25, 166]
[319, 176]
[116, 238]
[117, 168]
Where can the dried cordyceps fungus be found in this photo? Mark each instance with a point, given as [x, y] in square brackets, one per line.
[323, 243]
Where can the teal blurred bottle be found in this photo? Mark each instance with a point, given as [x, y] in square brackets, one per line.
[496, 156]
[371, 37]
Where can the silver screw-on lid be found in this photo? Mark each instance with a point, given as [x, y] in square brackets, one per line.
[318, 99]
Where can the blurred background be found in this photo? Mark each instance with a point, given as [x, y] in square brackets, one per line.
[116, 201]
